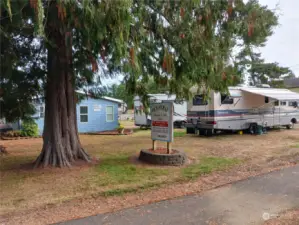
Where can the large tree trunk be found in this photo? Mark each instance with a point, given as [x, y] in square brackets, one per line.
[61, 144]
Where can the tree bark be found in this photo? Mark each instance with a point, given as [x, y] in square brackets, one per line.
[61, 144]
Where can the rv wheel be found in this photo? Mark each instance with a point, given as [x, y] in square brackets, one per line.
[190, 130]
[182, 124]
[290, 126]
[253, 128]
[202, 132]
[210, 132]
[143, 127]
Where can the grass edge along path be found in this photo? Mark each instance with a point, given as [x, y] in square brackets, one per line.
[204, 166]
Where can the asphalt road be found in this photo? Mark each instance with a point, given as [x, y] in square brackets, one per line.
[246, 202]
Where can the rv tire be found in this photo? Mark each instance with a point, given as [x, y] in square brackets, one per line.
[292, 124]
[190, 130]
[143, 127]
[202, 132]
[253, 128]
[209, 132]
[182, 124]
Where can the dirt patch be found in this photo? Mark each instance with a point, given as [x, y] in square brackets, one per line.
[287, 218]
[113, 132]
[3, 150]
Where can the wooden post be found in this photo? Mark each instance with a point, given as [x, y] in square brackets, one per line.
[169, 147]
[154, 145]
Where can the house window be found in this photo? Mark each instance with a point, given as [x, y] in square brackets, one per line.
[283, 103]
[226, 100]
[41, 111]
[266, 99]
[276, 103]
[109, 114]
[199, 100]
[83, 114]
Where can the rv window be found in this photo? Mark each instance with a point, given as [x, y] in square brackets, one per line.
[293, 104]
[226, 99]
[276, 103]
[283, 103]
[266, 99]
[178, 101]
[199, 100]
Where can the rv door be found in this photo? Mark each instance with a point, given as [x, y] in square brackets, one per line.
[276, 113]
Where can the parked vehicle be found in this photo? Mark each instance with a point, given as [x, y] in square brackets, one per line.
[244, 108]
[143, 120]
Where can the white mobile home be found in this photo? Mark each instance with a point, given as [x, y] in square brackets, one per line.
[144, 120]
[243, 108]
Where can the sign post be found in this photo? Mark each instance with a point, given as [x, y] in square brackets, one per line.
[162, 124]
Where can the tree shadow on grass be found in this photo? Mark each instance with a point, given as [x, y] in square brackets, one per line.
[26, 163]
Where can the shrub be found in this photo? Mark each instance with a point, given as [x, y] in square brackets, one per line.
[9, 133]
[12, 133]
[17, 133]
[120, 128]
[29, 129]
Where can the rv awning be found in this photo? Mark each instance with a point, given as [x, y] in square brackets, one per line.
[235, 93]
[278, 94]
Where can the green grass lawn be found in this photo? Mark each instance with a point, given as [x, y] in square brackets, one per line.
[207, 165]
[179, 133]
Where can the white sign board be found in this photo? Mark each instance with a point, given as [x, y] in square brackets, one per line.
[162, 121]
[97, 108]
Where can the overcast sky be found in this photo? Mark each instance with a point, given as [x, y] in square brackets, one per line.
[283, 45]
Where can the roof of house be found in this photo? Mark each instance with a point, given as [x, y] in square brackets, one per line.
[112, 99]
[103, 97]
[292, 83]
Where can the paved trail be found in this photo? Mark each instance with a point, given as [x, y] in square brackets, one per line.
[245, 202]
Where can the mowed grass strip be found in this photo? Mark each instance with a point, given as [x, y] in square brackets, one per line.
[179, 133]
[117, 170]
[207, 165]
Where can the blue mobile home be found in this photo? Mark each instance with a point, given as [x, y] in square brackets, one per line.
[93, 115]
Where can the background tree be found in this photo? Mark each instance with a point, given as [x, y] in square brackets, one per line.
[73, 34]
[270, 73]
[178, 44]
[119, 91]
[261, 72]
[248, 60]
[21, 68]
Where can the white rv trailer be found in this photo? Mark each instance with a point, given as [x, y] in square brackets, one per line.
[143, 120]
[244, 108]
